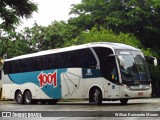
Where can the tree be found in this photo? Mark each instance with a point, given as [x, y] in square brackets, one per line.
[12, 10]
[104, 35]
[14, 44]
[89, 13]
[37, 38]
[53, 36]
[140, 17]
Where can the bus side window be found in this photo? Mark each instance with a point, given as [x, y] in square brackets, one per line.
[82, 58]
[63, 60]
[72, 59]
[46, 62]
[16, 66]
[27, 63]
[87, 59]
[56, 60]
[6, 68]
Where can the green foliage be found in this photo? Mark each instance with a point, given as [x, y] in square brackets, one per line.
[139, 17]
[104, 35]
[97, 21]
[37, 38]
[52, 36]
[149, 52]
[12, 10]
[13, 44]
[90, 13]
[154, 72]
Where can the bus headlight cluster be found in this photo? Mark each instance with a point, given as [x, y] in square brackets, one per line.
[128, 87]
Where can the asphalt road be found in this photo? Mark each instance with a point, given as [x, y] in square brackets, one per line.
[82, 109]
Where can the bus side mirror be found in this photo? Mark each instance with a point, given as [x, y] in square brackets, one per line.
[155, 61]
[151, 60]
[121, 60]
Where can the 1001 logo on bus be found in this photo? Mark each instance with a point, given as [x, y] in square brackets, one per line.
[50, 78]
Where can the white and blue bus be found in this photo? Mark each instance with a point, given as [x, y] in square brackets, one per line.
[94, 71]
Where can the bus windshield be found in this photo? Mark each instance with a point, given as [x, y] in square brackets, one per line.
[134, 69]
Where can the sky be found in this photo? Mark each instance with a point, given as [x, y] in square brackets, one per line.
[49, 10]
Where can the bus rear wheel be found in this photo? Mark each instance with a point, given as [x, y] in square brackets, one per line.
[19, 97]
[28, 97]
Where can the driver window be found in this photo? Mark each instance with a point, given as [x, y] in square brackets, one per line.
[112, 70]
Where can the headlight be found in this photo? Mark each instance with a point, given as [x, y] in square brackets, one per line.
[128, 87]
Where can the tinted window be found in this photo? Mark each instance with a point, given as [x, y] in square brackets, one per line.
[105, 61]
[87, 58]
[77, 58]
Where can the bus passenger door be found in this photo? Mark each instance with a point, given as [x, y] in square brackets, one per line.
[113, 87]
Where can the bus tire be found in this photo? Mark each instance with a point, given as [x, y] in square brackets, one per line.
[97, 97]
[124, 101]
[19, 97]
[28, 97]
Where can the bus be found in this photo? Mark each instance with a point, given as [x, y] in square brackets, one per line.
[1, 66]
[97, 71]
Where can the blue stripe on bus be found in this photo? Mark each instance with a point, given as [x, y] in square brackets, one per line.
[32, 77]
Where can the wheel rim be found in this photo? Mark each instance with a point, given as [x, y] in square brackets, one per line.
[95, 96]
[19, 97]
[28, 98]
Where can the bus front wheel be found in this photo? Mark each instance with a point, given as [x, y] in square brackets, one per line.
[28, 97]
[97, 97]
[19, 97]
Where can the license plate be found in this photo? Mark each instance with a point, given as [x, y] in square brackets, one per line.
[140, 94]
